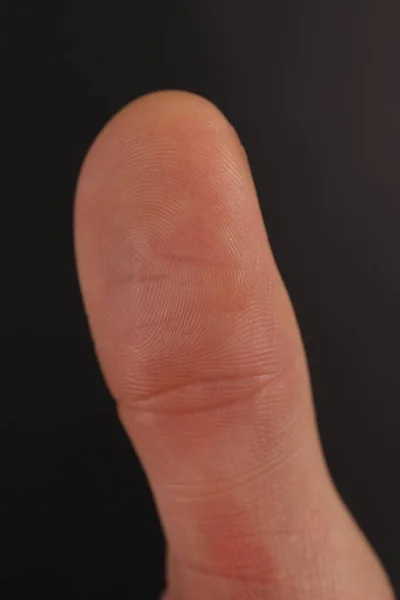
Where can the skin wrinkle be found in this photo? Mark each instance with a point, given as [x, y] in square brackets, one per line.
[259, 385]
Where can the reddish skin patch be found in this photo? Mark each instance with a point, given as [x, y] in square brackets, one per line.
[233, 546]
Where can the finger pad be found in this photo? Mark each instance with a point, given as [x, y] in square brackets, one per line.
[177, 278]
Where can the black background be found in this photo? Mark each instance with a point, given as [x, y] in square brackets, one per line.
[313, 89]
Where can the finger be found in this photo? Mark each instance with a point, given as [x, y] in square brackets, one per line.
[200, 348]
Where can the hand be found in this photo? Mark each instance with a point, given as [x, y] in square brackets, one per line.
[200, 348]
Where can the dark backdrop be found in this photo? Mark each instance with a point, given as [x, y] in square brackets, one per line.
[313, 88]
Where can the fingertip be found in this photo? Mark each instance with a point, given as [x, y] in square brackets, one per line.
[166, 204]
[169, 147]
[182, 116]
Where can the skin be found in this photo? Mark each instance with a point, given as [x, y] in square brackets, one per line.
[200, 348]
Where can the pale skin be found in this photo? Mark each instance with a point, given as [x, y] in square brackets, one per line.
[200, 348]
